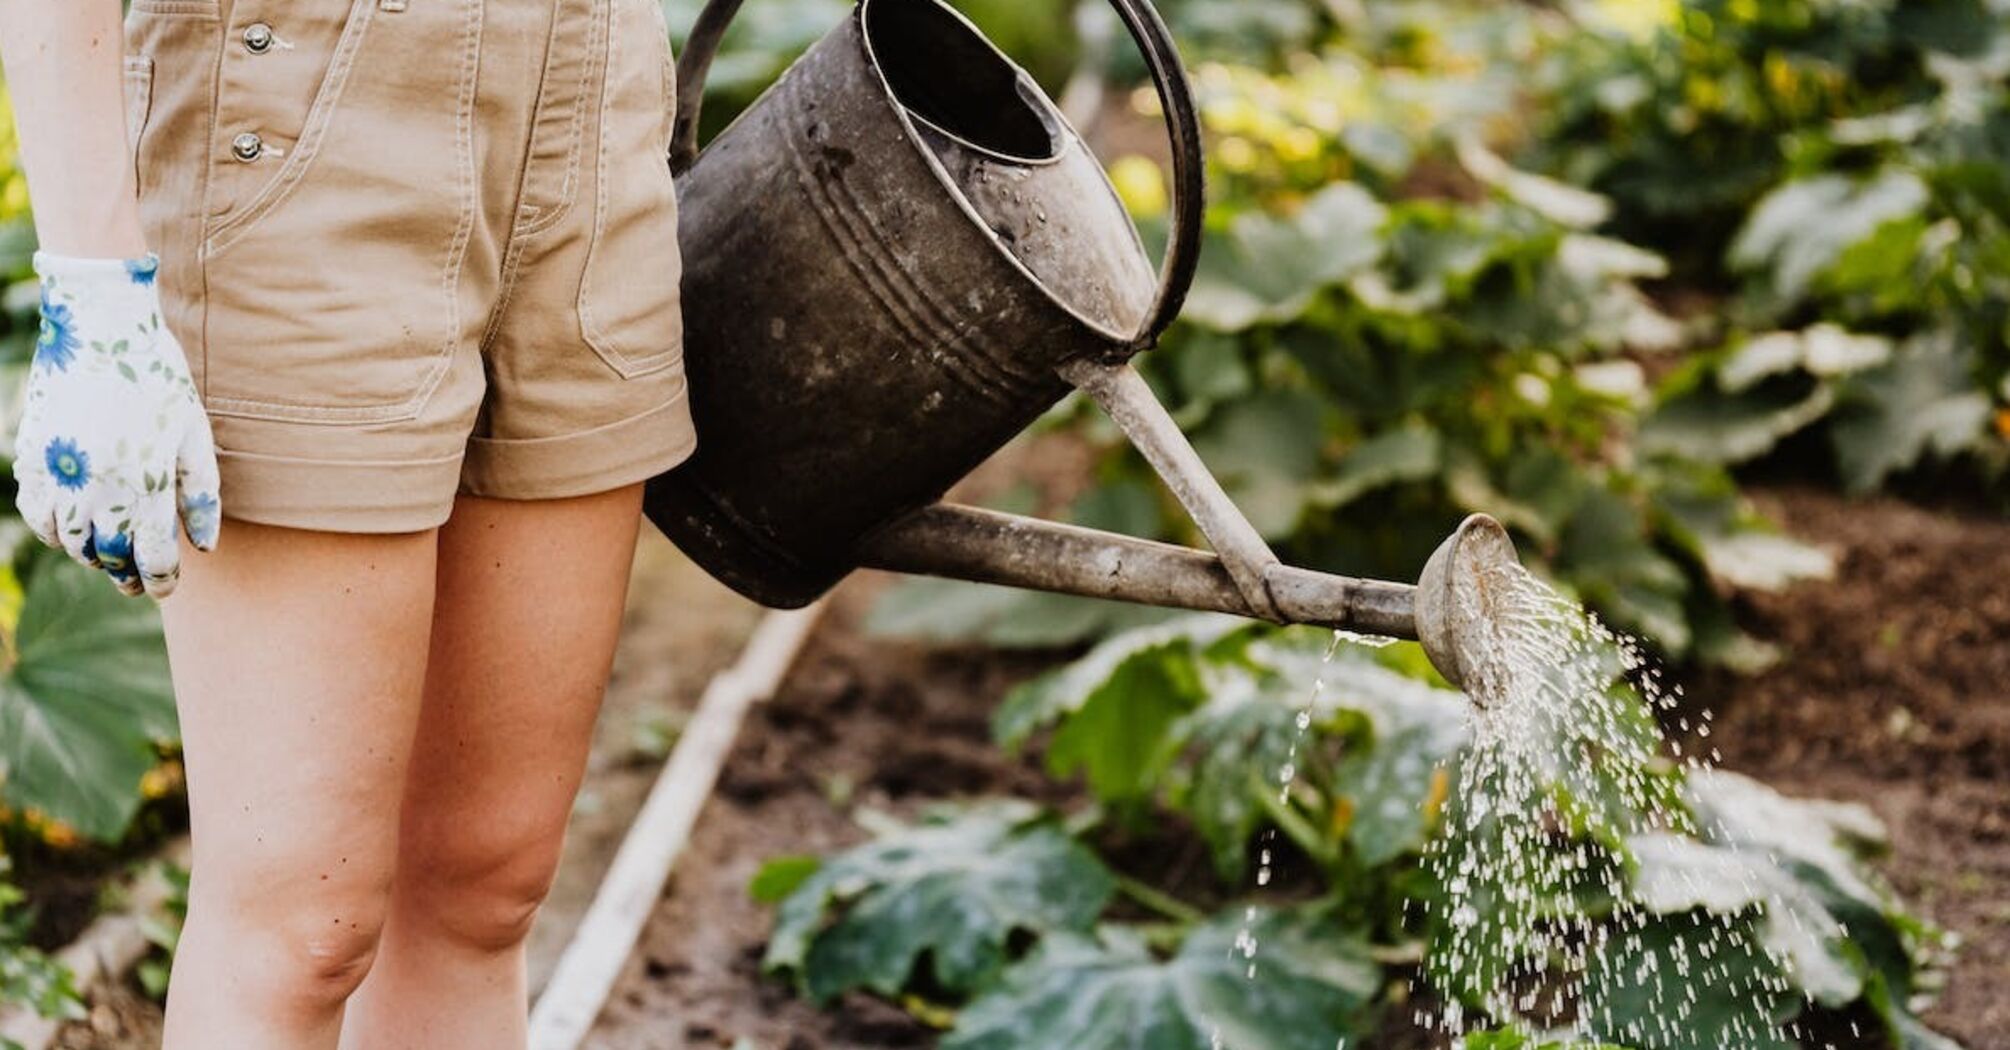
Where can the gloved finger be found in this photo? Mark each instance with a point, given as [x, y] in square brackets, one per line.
[35, 499]
[157, 546]
[199, 483]
[73, 528]
[112, 542]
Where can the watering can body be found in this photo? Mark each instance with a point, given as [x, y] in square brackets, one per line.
[896, 260]
[888, 258]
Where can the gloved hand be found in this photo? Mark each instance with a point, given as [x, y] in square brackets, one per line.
[114, 447]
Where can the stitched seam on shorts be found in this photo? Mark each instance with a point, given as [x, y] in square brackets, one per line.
[450, 276]
[606, 347]
[220, 235]
[530, 221]
[201, 249]
[178, 7]
[139, 70]
[670, 404]
[266, 457]
[534, 224]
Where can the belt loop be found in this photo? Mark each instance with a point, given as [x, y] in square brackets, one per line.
[391, 5]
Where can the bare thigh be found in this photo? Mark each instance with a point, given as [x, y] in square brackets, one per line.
[298, 661]
[530, 606]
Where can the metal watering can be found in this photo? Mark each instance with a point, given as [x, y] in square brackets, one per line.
[898, 259]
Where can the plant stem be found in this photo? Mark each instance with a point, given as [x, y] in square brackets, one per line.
[1159, 901]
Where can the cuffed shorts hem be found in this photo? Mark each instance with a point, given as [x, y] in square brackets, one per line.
[351, 496]
[388, 497]
[603, 459]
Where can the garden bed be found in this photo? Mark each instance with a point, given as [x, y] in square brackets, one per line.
[1891, 695]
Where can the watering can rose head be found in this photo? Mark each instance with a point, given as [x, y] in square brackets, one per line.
[1461, 599]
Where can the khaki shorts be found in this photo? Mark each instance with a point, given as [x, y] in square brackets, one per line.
[415, 248]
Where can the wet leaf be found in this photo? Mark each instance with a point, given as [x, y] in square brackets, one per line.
[1687, 982]
[1674, 874]
[1309, 985]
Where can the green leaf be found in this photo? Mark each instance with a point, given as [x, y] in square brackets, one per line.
[1705, 513]
[1309, 985]
[1924, 402]
[1266, 450]
[1407, 453]
[1266, 269]
[1392, 786]
[1674, 875]
[1515, 1039]
[86, 700]
[1713, 426]
[1822, 350]
[1045, 701]
[1687, 982]
[781, 877]
[953, 889]
[1607, 549]
[1802, 228]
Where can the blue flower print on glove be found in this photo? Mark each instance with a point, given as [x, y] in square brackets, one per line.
[114, 456]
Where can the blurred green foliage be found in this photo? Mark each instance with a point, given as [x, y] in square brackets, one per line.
[1494, 258]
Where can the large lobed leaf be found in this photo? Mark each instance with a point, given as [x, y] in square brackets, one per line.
[1256, 980]
[1264, 269]
[953, 890]
[86, 700]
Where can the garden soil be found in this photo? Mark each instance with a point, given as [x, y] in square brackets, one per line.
[1892, 693]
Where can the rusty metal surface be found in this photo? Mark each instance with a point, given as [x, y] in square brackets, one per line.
[985, 546]
[1122, 393]
[859, 335]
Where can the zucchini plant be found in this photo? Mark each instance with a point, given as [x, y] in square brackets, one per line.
[1750, 918]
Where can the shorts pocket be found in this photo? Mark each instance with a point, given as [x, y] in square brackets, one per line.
[139, 94]
[280, 81]
[338, 300]
[628, 293]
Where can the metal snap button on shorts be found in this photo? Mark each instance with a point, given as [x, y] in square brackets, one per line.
[415, 247]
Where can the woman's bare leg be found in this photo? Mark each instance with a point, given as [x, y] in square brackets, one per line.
[299, 659]
[530, 604]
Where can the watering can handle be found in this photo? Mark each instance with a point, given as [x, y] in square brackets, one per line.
[1161, 56]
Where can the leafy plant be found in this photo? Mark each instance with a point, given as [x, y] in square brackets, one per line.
[954, 890]
[1739, 913]
[84, 699]
[1311, 986]
[163, 931]
[1841, 168]
[29, 977]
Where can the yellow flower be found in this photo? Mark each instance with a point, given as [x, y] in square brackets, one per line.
[1141, 185]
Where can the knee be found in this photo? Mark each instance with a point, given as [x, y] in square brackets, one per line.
[480, 888]
[306, 945]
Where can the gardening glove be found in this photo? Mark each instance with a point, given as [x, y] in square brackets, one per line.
[114, 448]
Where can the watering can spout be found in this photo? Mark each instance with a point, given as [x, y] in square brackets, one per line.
[1450, 611]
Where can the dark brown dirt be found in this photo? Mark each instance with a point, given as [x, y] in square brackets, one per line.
[859, 723]
[1891, 695]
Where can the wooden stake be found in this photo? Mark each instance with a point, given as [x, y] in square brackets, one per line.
[593, 961]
